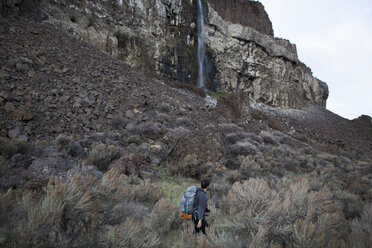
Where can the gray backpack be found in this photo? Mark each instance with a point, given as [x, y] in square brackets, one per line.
[187, 200]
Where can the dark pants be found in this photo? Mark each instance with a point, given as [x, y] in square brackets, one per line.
[202, 228]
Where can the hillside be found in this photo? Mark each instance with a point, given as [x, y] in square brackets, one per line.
[95, 153]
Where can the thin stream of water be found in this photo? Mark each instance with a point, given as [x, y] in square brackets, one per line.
[201, 47]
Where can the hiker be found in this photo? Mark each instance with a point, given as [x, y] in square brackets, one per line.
[200, 207]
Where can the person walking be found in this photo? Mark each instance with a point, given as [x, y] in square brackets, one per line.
[200, 207]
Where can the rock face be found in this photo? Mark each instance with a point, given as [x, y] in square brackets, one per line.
[161, 36]
[245, 12]
[151, 35]
[268, 68]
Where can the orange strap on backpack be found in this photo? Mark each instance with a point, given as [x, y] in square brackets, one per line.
[185, 217]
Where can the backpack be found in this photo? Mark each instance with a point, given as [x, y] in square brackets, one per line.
[186, 203]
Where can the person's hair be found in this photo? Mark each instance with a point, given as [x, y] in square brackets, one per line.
[205, 183]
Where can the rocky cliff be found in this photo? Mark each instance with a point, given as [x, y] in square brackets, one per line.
[160, 36]
[265, 66]
[245, 12]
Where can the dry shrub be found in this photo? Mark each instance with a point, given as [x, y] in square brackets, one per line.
[144, 193]
[254, 193]
[350, 204]
[119, 187]
[118, 212]
[218, 189]
[232, 138]
[300, 137]
[7, 202]
[361, 229]
[163, 118]
[184, 121]
[223, 239]
[250, 167]
[129, 233]
[269, 138]
[64, 215]
[164, 218]
[102, 155]
[190, 166]
[149, 128]
[62, 142]
[135, 139]
[233, 176]
[243, 148]
[188, 239]
[321, 233]
[294, 216]
[8, 148]
[118, 121]
[81, 213]
[214, 238]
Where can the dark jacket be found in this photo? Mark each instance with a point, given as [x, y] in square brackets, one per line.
[200, 203]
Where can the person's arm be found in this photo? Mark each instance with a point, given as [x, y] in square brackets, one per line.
[202, 206]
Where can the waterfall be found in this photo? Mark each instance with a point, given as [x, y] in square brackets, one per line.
[201, 48]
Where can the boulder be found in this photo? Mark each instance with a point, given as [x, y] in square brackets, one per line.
[17, 133]
[20, 114]
[236, 105]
